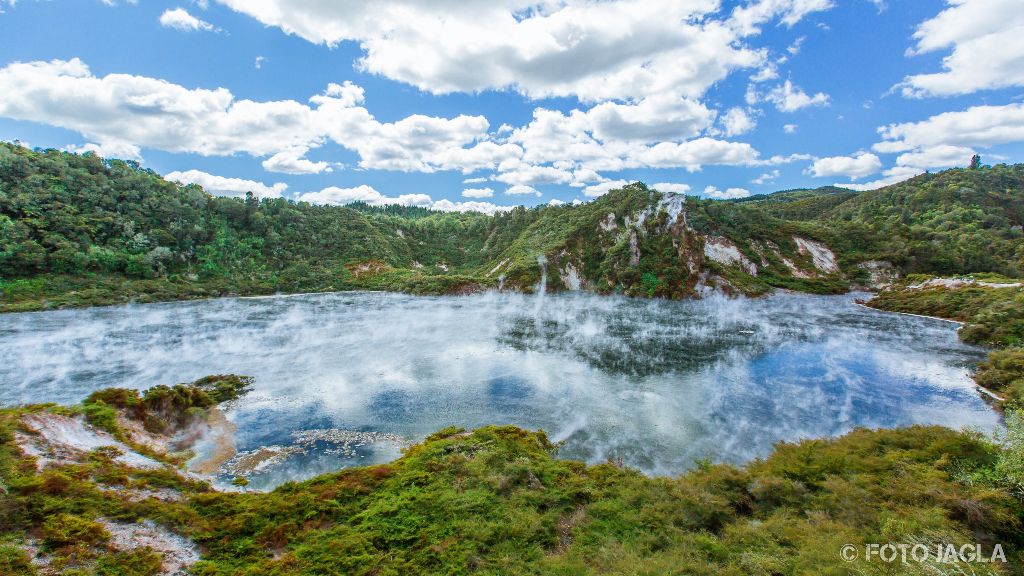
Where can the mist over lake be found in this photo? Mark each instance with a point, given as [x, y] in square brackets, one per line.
[654, 384]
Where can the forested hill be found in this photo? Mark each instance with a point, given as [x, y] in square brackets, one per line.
[80, 230]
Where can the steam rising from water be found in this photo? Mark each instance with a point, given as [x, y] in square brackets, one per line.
[653, 383]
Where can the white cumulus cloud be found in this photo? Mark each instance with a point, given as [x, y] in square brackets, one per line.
[110, 149]
[123, 109]
[602, 188]
[614, 50]
[941, 156]
[672, 187]
[521, 189]
[362, 193]
[766, 178]
[790, 98]
[293, 161]
[180, 19]
[337, 196]
[728, 194]
[752, 15]
[976, 126]
[737, 121]
[477, 193]
[889, 176]
[986, 43]
[472, 206]
[853, 167]
[222, 186]
[944, 140]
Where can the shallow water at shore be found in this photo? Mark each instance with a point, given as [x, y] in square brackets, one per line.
[349, 378]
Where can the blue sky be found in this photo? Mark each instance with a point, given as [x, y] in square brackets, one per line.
[490, 103]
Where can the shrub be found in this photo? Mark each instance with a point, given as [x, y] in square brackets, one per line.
[102, 416]
[1011, 461]
[68, 529]
[14, 561]
[121, 398]
[140, 562]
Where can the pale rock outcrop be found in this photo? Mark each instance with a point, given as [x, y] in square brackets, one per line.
[709, 284]
[608, 224]
[674, 206]
[881, 273]
[824, 259]
[766, 249]
[62, 440]
[498, 267]
[570, 277]
[793, 268]
[723, 251]
[634, 248]
[960, 283]
[179, 553]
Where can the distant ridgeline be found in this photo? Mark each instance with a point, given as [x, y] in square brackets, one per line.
[80, 230]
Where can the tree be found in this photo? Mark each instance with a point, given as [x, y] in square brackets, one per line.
[975, 162]
[241, 482]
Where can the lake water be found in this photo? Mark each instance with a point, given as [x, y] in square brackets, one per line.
[344, 379]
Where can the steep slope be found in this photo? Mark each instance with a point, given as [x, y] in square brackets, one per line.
[642, 242]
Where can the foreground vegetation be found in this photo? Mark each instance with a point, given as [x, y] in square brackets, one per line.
[498, 501]
[992, 316]
[78, 230]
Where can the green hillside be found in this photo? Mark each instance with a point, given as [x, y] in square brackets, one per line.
[79, 230]
[954, 222]
[801, 204]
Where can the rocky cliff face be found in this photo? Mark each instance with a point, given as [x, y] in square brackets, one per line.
[658, 248]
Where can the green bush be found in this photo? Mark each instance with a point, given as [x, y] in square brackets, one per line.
[163, 408]
[102, 416]
[497, 500]
[1011, 462]
[14, 561]
[68, 529]
[138, 562]
[1004, 371]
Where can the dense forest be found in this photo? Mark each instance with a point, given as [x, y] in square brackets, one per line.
[80, 230]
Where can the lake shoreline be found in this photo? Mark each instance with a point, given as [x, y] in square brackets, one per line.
[997, 406]
[865, 305]
[659, 374]
[195, 293]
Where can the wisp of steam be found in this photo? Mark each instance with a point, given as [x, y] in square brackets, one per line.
[652, 383]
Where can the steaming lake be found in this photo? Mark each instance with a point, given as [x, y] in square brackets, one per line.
[343, 379]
